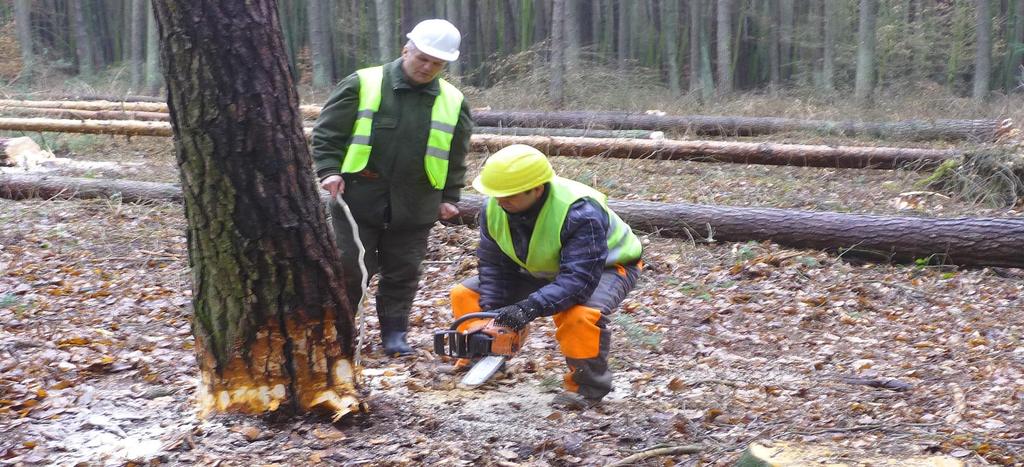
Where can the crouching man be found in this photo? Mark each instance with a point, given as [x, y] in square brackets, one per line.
[550, 246]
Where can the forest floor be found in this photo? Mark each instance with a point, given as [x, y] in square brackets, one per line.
[719, 345]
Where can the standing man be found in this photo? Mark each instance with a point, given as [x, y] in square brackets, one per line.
[550, 246]
[392, 141]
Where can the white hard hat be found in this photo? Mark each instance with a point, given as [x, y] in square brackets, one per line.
[437, 38]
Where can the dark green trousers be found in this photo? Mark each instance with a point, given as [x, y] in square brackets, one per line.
[396, 254]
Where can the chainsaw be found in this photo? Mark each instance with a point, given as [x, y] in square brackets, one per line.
[489, 344]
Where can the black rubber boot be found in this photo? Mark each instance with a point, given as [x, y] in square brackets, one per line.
[393, 332]
[394, 343]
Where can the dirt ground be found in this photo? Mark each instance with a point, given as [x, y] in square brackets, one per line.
[720, 345]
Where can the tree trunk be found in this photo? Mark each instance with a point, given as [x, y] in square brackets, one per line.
[695, 75]
[386, 30]
[623, 34]
[670, 35]
[915, 130]
[774, 66]
[138, 42]
[724, 40]
[452, 15]
[83, 41]
[154, 78]
[571, 33]
[319, 44]
[786, 49]
[803, 155]
[828, 52]
[864, 82]
[964, 241]
[983, 51]
[557, 87]
[271, 321]
[23, 23]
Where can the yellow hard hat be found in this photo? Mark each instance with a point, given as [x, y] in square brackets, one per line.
[513, 170]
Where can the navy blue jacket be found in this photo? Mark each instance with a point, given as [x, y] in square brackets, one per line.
[584, 250]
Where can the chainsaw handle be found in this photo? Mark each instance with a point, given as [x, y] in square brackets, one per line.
[469, 316]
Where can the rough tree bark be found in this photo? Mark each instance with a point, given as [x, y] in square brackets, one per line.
[272, 325]
[963, 241]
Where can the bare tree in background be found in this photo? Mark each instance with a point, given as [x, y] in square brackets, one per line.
[864, 82]
[724, 39]
[670, 36]
[557, 88]
[983, 50]
[137, 45]
[23, 22]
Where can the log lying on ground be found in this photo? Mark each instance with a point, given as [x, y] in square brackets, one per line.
[857, 157]
[963, 241]
[48, 187]
[980, 130]
[804, 155]
[575, 132]
[89, 105]
[915, 130]
[37, 112]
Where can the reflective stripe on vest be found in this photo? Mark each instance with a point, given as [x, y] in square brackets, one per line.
[544, 252]
[444, 116]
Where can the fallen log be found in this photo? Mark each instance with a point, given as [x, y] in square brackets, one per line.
[979, 130]
[915, 130]
[77, 114]
[803, 155]
[88, 105]
[49, 187]
[856, 157]
[963, 241]
[576, 132]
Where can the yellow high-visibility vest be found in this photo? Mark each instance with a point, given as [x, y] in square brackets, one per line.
[444, 116]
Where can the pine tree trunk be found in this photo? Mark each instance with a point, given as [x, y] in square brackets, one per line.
[385, 30]
[724, 39]
[864, 81]
[774, 47]
[623, 33]
[319, 44]
[983, 51]
[786, 48]
[557, 88]
[695, 17]
[272, 325]
[154, 78]
[571, 34]
[83, 41]
[452, 14]
[828, 48]
[23, 23]
[670, 34]
[138, 42]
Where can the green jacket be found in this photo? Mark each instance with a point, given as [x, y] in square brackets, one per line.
[394, 187]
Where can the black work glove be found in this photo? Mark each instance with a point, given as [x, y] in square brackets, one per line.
[516, 315]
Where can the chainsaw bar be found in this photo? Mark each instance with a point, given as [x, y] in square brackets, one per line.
[483, 370]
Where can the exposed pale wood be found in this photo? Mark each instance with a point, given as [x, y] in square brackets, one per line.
[963, 241]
